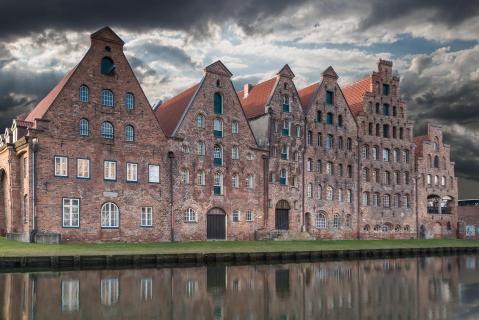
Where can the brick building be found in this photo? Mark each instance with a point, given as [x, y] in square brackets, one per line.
[94, 162]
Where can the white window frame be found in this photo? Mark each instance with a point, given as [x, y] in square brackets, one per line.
[200, 121]
[235, 154]
[61, 166]
[234, 127]
[190, 215]
[131, 172]
[129, 101]
[249, 216]
[235, 216]
[153, 173]
[70, 219]
[70, 295]
[110, 215]
[200, 178]
[146, 218]
[200, 148]
[249, 182]
[82, 172]
[185, 176]
[235, 181]
[109, 170]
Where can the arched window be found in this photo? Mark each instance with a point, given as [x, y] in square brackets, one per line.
[349, 144]
[329, 118]
[365, 198]
[235, 180]
[84, 127]
[110, 215]
[107, 98]
[386, 154]
[218, 184]
[286, 103]
[366, 174]
[329, 141]
[320, 221]
[218, 128]
[309, 190]
[378, 129]
[249, 182]
[436, 162]
[190, 215]
[200, 178]
[185, 176]
[387, 201]
[217, 155]
[336, 221]
[395, 111]
[84, 93]
[107, 66]
[349, 196]
[374, 153]
[395, 155]
[364, 152]
[200, 121]
[218, 103]
[234, 127]
[283, 177]
[235, 154]
[107, 131]
[129, 133]
[366, 228]
[309, 165]
[319, 192]
[340, 121]
[200, 148]
[130, 101]
[329, 193]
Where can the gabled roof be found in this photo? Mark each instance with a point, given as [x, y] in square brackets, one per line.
[329, 72]
[170, 112]
[258, 97]
[107, 34]
[306, 95]
[218, 68]
[354, 94]
[286, 72]
[42, 107]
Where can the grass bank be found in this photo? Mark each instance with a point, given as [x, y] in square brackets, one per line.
[15, 249]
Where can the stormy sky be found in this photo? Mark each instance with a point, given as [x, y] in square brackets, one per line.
[433, 43]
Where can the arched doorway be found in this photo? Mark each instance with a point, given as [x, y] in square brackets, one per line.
[216, 224]
[282, 215]
[3, 203]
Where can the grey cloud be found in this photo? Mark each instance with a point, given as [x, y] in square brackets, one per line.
[177, 56]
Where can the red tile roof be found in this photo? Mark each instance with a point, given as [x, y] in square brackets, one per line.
[170, 112]
[259, 95]
[354, 94]
[306, 96]
[42, 107]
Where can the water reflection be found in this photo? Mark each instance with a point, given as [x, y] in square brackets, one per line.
[412, 288]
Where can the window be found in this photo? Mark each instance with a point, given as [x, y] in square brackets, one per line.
[329, 97]
[336, 221]
[296, 156]
[330, 168]
[185, 148]
[218, 184]
[320, 221]
[385, 154]
[249, 182]
[309, 190]
[319, 140]
[153, 173]
[329, 193]
[190, 215]
[385, 89]
[71, 213]
[340, 143]
[375, 199]
[349, 196]
[285, 103]
[348, 220]
[84, 94]
[284, 152]
[236, 216]
[405, 158]
[406, 177]
[131, 172]
[107, 66]
[309, 137]
[395, 111]
[340, 121]
[366, 174]
[319, 166]
[396, 200]
[70, 295]
[443, 181]
[350, 171]
[318, 116]
[200, 178]
[366, 228]
[394, 132]
[364, 152]
[218, 128]
[387, 177]
[401, 133]
[200, 121]
[235, 181]
[249, 215]
[309, 165]
[218, 103]
[234, 127]
[397, 177]
[386, 109]
[386, 131]
[130, 101]
[329, 118]
[436, 162]
[436, 180]
[298, 131]
[387, 200]
[395, 155]
[340, 195]
[329, 141]
[61, 166]
[109, 170]
[283, 177]
[370, 128]
[185, 176]
[146, 289]
[146, 219]
[235, 153]
[107, 99]
[110, 215]
[129, 134]
[406, 201]
[83, 168]
[110, 292]
[319, 192]
[428, 179]
[217, 155]
[365, 198]
[107, 131]
[349, 144]
[84, 127]
[200, 148]
[374, 153]
[286, 126]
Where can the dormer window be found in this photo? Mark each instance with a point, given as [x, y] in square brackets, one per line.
[130, 101]
[329, 97]
[107, 66]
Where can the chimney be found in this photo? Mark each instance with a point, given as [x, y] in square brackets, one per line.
[246, 89]
[157, 104]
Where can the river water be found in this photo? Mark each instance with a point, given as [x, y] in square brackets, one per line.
[406, 288]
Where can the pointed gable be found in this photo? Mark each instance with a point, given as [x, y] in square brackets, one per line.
[218, 68]
[307, 95]
[286, 72]
[329, 72]
[42, 107]
[108, 35]
[354, 94]
[170, 112]
[254, 105]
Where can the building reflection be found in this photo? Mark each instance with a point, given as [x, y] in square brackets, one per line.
[411, 288]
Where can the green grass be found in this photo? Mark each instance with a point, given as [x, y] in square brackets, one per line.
[14, 248]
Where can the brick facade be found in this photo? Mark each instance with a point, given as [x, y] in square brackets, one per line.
[266, 161]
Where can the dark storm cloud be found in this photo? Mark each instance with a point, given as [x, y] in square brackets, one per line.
[23, 17]
[153, 51]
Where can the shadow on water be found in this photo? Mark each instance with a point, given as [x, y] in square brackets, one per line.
[405, 288]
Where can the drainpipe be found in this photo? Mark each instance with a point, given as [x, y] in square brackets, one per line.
[171, 157]
[303, 227]
[34, 151]
[265, 188]
[270, 134]
[358, 183]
